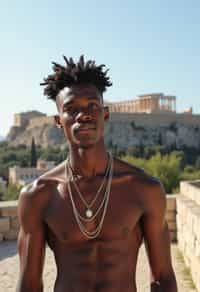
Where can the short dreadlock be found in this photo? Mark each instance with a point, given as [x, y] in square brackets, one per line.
[72, 74]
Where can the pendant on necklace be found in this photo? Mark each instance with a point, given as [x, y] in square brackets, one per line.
[89, 213]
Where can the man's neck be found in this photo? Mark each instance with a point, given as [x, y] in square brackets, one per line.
[88, 162]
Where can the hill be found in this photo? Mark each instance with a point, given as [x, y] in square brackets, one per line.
[124, 130]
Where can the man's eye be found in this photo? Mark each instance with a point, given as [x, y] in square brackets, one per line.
[70, 110]
[93, 106]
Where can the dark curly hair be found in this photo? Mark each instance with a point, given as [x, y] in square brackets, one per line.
[75, 73]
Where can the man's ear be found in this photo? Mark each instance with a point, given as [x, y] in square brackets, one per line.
[106, 113]
[57, 121]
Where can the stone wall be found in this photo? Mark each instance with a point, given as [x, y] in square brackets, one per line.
[171, 216]
[188, 225]
[156, 119]
[9, 224]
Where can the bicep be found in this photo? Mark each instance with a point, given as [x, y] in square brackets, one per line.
[31, 249]
[31, 244]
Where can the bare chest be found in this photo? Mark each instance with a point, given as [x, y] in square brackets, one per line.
[120, 217]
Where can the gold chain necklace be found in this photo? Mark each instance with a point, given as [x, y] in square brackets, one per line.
[94, 233]
[89, 212]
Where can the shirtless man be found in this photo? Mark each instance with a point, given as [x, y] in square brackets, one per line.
[93, 211]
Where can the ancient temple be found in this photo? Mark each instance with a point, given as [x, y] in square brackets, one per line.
[147, 103]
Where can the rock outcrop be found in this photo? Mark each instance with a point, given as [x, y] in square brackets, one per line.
[123, 130]
[44, 135]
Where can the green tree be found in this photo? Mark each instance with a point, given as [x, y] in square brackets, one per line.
[190, 175]
[189, 169]
[136, 161]
[165, 167]
[134, 151]
[33, 154]
[1, 192]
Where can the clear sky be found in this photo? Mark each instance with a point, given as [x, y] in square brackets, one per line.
[149, 46]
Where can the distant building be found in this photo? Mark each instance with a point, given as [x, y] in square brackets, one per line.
[24, 175]
[45, 164]
[23, 119]
[147, 103]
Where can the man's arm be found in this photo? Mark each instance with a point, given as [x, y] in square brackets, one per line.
[157, 241]
[31, 242]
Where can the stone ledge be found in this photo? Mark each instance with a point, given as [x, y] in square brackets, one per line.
[191, 190]
[8, 208]
[4, 225]
[7, 204]
[11, 234]
[14, 223]
[171, 202]
[1, 237]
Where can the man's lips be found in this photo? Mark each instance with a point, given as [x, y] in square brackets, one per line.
[85, 128]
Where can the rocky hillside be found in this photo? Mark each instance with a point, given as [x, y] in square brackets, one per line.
[45, 135]
[124, 131]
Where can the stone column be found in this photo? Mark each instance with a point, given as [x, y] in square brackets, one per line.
[145, 104]
[137, 106]
[141, 105]
[160, 103]
[167, 103]
[170, 104]
[151, 104]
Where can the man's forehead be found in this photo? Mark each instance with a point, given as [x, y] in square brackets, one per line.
[89, 91]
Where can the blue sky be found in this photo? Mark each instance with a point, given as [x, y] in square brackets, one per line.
[149, 46]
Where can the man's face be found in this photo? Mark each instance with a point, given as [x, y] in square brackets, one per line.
[81, 114]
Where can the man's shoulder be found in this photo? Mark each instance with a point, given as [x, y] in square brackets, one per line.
[55, 175]
[147, 187]
[33, 189]
[45, 181]
[137, 174]
[39, 191]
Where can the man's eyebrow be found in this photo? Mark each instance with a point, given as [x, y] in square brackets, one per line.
[66, 103]
[69, 102]
[94, 98]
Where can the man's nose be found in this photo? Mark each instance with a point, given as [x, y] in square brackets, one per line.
[84, 115]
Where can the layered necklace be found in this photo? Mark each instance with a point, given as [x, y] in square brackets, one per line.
[90, 214]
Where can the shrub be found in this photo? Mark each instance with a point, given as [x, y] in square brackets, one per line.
[11, 193]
